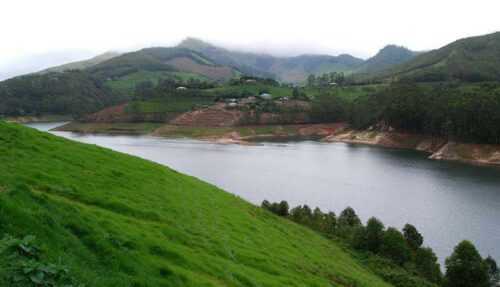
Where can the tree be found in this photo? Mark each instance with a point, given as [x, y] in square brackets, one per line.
[295, 93]
[318, 219]
[323, 80]
[331, 223]
[348, 217]
[394, 246]
[266, 204]
[466, 268]
[144, 90]
[412, 236]
[493, 272]
[301, 214]
[374, 234]
[311, 80]
[427, 265]
[283, 208]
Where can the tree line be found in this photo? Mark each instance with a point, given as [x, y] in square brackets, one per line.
[326, 79]
[465, 112]
[403, 249]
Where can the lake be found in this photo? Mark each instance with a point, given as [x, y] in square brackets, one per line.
[446, 201]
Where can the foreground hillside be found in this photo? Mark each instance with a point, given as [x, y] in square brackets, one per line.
[117, 220]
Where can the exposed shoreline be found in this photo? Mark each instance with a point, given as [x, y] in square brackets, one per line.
[39, 119]
[438, 148]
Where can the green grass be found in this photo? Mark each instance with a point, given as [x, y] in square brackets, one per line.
[169, 104]
[117, 220]
[349, 93]
[111, 128]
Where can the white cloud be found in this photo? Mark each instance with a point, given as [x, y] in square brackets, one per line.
[320, 26]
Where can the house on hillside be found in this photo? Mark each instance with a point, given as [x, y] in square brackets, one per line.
[181, 88]
[266, 96]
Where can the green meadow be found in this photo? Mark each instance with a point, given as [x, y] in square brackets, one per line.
[116, 220]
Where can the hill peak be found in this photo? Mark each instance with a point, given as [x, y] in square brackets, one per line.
[194, 44]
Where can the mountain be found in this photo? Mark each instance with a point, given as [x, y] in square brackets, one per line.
[80, 65]
[470, 59]
[387, 57]
[247, 63]
[102, 218]
[163, 60]
[288, 69]
[103, 82]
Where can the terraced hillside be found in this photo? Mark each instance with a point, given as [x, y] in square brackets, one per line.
[116, 220]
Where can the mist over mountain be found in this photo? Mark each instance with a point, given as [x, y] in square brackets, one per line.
[36, 62]
[287, 69]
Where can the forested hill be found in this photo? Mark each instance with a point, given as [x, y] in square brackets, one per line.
[470, 59]
[68, 93]
[78, 92]
[101, 218]
[389, 56]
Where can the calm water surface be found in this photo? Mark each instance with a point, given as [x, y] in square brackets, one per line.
[446, 201]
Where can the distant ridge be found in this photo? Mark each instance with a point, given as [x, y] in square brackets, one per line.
[158, 59]
[80, 65]
[469, 59]
[287, 69]
[387, 57]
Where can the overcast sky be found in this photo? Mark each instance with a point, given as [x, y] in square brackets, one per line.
[35, 34]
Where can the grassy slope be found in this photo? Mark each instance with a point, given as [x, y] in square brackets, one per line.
[117, 220]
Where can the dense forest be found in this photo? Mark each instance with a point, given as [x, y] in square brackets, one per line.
[72, 92]
[458, 111]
